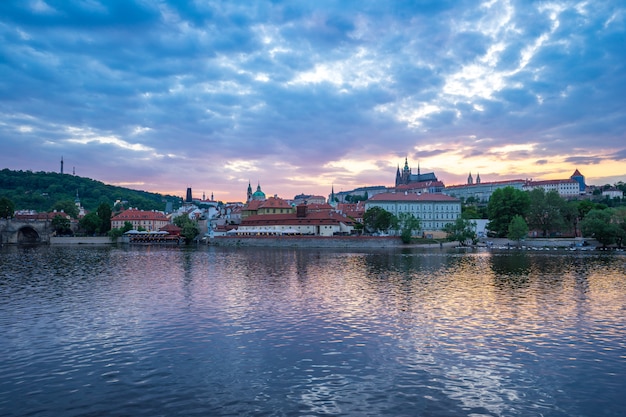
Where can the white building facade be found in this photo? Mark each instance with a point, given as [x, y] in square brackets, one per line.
[433, 210]
[566, 188]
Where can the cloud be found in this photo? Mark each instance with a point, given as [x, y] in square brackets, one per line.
[217, 92]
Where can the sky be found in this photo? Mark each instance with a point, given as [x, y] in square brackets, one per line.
[305, 96]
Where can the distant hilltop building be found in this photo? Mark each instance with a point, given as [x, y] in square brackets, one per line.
[418, 183]
[309, 199]
[482, 191]
[406, 176]
[361, 193]
[406, 182]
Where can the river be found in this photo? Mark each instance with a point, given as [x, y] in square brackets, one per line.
[156, 331]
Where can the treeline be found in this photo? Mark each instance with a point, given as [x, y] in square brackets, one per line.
[43, 191]
[516, 215]
[513, 213]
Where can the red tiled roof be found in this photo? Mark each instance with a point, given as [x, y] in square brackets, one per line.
[40, 216]
[421, 184]
[170, 228]
[355, 214]
[274, 202]
[485, 183]
[412, 197]
[547, 182]
[317, 218]
[318, 207]
[253, 205]
[134, 214]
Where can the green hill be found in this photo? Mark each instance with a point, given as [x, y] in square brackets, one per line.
[40, 191]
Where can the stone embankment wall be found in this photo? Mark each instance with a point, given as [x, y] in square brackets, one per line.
[309, 241]
[540, 242]
[71, 240]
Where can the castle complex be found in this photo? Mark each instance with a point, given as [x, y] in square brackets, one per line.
[406, 177]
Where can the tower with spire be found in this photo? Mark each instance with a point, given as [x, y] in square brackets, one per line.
[406, 176]
[249, 192]
[332, 201]
[61, 165]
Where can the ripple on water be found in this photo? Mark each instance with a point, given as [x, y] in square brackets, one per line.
[162, 331]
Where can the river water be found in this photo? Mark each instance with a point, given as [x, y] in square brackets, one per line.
[150, 331]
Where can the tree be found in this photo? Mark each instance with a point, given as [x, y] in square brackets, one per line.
[518, 229]
[90, 223]
[61, 225]
[469, 212]
[407, 223]
[104, 214]
[462, 231]
[377, 219]
[597, 224]
[504, 204]
[68, 207]
[128, 226]
[115, 233]
[618, 218]
[571, 216]
[546, 211]
[189, 228]
[584, 207]
[7, 208]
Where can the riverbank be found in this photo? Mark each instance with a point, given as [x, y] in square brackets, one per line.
[351, 242]
[390, 242]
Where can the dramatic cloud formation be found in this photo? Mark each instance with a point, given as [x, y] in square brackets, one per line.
[300, 95]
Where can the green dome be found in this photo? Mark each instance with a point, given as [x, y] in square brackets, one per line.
[258, 194]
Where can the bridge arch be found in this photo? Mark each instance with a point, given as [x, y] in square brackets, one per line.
[27, 234]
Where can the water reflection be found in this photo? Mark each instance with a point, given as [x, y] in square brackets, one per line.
[248, 331]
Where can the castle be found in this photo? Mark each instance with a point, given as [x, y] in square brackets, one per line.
[406, 177]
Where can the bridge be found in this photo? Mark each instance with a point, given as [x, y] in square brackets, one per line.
[25, 231]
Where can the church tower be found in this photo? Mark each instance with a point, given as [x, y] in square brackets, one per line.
[477, 178]
[249, 193]
[470, 180]
[61, 165]
[332, 201]
[406, 172]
